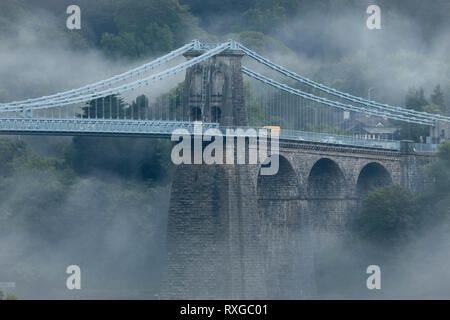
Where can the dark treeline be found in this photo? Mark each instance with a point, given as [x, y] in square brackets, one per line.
[406, 234]
[306, 29]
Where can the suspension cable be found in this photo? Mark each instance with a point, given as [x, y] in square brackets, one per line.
[126, 87]
[108, 82]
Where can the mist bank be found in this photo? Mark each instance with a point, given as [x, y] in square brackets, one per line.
[102, 203]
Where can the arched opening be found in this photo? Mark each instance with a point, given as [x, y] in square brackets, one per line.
[204, 215]
[195, 95]
[327, 203]
[325, 180]
[218, 83]
[371, 177]
[216, 114]
[280, 225]
[196, 84]
[196, 114]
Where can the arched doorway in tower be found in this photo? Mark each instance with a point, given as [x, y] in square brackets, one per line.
[371, 177]
[198, 259]
[217, 88]
[195, 96]
[280, 225]
[196, 114]
[325, 180]
[216, 114]
[196, 84]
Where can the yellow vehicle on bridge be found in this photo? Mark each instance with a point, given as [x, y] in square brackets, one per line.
[273, 130]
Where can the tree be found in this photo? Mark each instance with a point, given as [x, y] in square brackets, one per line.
[415, 99]
[438, 96]
[145, 28]
[439, 171]
[7, 297]
[131, 158]
[255, 110]
[110, 107]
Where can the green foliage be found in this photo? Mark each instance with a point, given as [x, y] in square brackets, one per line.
[389, 217]
[139, 107]
[7, 297]
[392, 216]
[437, 198]
[254, 109]
[259, 42]
[113, 107]
[46, 201]
[348, 76]
[110, 107]
[9, 11]
[263, 19]
[432, 108]
[247, 15]
[415, 99]
[175, 98]
[438, 96]
[323, 128]
[9, 151]
[42, 184]
[140, 159]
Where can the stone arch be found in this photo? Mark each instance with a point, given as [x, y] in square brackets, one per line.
[195, 89]
[216, 114]
[373, 175]
[325, 179]
[280, 231]
[281, 186]
[218, 84]
[196, 114]
[216, 98]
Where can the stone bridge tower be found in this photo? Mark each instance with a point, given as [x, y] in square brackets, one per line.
[215, 235]
[235, 234]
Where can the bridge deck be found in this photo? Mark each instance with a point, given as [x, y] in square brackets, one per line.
[164, 129]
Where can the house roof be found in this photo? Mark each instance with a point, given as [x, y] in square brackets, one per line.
[380, 130]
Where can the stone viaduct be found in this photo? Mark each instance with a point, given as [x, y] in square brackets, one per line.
[235, 234]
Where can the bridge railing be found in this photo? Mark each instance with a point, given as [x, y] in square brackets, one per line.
[335, 139]
[425, 147]
[326, 138]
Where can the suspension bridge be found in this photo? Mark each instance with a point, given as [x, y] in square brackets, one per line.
[154, 99]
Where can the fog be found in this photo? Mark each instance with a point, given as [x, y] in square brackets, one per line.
[390, 60]
[331, 42]
[119, 247]
[117, 244]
